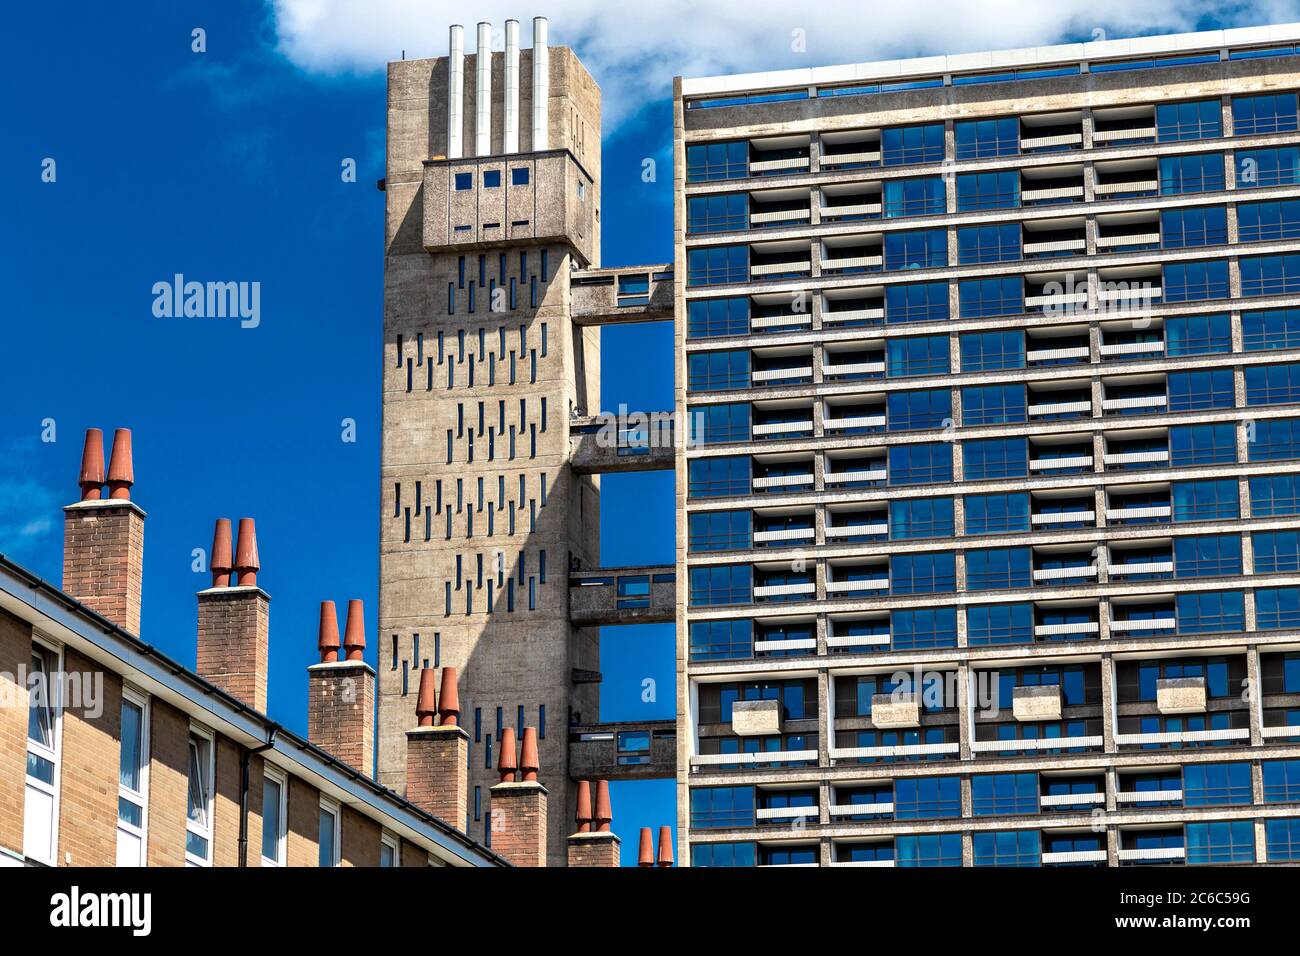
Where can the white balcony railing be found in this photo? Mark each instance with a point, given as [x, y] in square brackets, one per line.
[1069, 461]
[1149, 796]
[1047, 743]
[1055, 574]
[783, 481]
[856, 421]
[1060, 408]
[866, 640]
[1052, 355]
[781, 590]
[774, 165]
[855, 368]
[857, 809]
[785, 534]
[1125, 514]
[780, 268]
[1152, 854]
[852, 262]
[1144, 567]
[1077, 627]
[902, 750]
[1059, 245]
[1136, 457]
[775, 756]
[1136, 132]
[780, 215]
[786, 813]
[781, 428]
[847, 477]
[1070, 799]
[776, 321]
[838, 159]
[1135, 239]
[1058, 192]
[1042, 142]
[1074, 856]
[1133, 348]
[852, 315]
[857, 209]
[1063, 517]
[1056, 299]
[1137, 401]
[847, 587]
[1145, 624]
[797, 644]
[1132, 186]
[856, 530]
[775, 374]
[1184, 737]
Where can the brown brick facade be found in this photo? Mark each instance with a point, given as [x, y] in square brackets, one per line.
[15, 656]
[103, 559]
[341, 712]
[437, 772]
[593, 849]
[360, 840]
[225, 817]
[518, 822]
[234, 635]
[303, 848]
[169, 737]
[90, 760]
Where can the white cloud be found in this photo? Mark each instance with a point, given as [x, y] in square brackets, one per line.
[634, 49]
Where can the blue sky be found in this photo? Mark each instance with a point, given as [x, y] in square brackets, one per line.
[225, 165]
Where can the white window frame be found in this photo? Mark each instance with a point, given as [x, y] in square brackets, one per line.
[193, 859]
[281, 838]
[332, 806]
[47, 855]
[140, 797]
[387, 839]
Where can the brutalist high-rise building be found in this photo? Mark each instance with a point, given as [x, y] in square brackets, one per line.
[989, 540]
[493, 301]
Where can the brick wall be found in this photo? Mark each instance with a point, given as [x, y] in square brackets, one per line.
[437, 774]
[360, 840]
[169, 735]
[518, 821]
[341, 712]
[593, 849]
[225, 818]
[304, 824]
[103, 559]
[233, 638]
[413, 855]
[15, 653]
[90, 761]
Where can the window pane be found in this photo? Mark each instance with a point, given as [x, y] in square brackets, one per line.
[271, 822]
[326, 838]
[198, 785]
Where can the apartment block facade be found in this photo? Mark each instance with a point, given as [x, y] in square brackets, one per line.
[988, 531]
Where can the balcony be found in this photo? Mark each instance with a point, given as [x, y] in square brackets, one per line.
[1032, 703]
[755, 718]
[1044, 743]
[900, 750]
[631, 750]
[606, 445]
[890, 711]
[623, 296]
[1181, 695]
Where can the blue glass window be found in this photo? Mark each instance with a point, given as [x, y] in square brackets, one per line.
[717, 265]
[999, 190]
[718, 371]
[1268, 221]
[925, 798]
[723, 854]
[995, 243]
[924, 249]
[1191, 174]
[1210, 612]
[1275, 439]
[1198, 334]
[1004, 794]
[1201, 389]
[1270, 275]
[1208, 555]
[1000, 624]
[922, 573]
[1271, 329]
[1258, 168]
[722, 640]
[1193, 226]
[1008, 848]
[718, 477]
[1269, 113]
[722, 807]
[1216, 843]
[999, 569]
[1276, 551]
[994, 404]
[706, 318]
[992, 351]
[712, 161]
[923, 628]
[914, 197]
[721, 585]
[1274, 495]
[920, 464]
[1277, 608]
[981, 139]
[920, 518]
[986, 298]
[720, 530]
[922, 302]
[712, 424]
[722, 212]
[1281, 781]
[491, 179]
[1180, 121]
[1282, 839]
[928, 408]
[1272, 384]
[986, 458]
[997, 514]
[1195, 281]
[917, 355]
[907, 145]
[1216, 784]
[1202, 444]
[928, 849]
[464, 181]
[1206, 500]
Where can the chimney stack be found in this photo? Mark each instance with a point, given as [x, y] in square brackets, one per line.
[511, 112]
[518, 813]
[665, 846]
[235, 620]
[541, 86]
[341, 693]
[594, 845]
[483, 91]
[103, 538]
[456, 93]
[437, 757]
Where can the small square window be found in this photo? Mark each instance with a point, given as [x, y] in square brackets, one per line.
[582, 190]
[491, 178]
[519, 176]
[464, 181]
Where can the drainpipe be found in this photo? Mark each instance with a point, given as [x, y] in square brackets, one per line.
[244, 760]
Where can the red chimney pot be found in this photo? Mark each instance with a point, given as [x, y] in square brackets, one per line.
[121, 473]
[665, 846]
[328, 640]
[426, 704]
[449, 698]
[222, 560]
[604, 814]
[528, 760]
[646, 852]
[354, 635]
[92, 466]
[246, 563]
[583, 816]
[506, 763]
